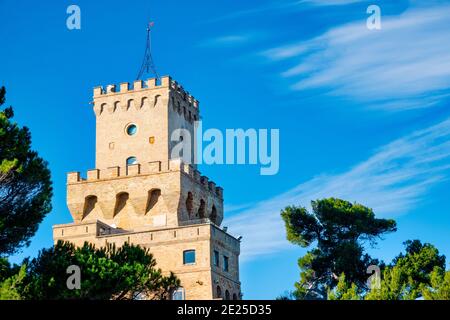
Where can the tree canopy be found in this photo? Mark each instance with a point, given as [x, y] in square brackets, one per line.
[411, 273]
[25, 184]
[339, 229]
[123, 273]
[419, 273]
[439, 288]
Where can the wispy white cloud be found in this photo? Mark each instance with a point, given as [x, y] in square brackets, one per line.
[403, 66]
[392, 182]
[271, 6]
[231, 40]
[229, 208]
[281, 6]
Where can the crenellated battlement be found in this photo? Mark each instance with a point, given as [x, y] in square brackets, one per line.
[155, 167]
[150, 84]
[183, 94]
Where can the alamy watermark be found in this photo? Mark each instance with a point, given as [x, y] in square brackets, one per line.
[74, 280]
[73, 21]
[234, 146]
[374, 20]
[374, 281]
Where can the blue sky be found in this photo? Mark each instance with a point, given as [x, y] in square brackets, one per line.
[363, 114]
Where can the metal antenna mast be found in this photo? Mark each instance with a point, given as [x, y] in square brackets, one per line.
[147, 63]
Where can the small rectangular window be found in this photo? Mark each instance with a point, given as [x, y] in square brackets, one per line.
[225, 263]
[188, 256]
[178, 294]
[216, 258]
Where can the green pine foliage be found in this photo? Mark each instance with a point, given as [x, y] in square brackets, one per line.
[439, 288]
[344, 291]
[124, 273]
[25, 185]
[335, 268]
[9, 288]
[338, 229]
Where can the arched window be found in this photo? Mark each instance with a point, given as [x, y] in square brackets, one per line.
[157, 100]
[116, 106]
[103, 107]
[131, 161]
[144, 102]
[189, 203]
[201, 209]
[213, 215]
[130, 104]
[227, 295]
[121, 202]
[89, 205]
[153, 196]
[218, 292]
[234, 296]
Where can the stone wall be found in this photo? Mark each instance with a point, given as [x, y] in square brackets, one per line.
[200, 280]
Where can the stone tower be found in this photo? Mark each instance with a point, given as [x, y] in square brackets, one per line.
[137, 193]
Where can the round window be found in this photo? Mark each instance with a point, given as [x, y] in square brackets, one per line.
[131, 161]
[131, 129]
